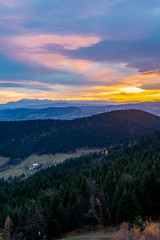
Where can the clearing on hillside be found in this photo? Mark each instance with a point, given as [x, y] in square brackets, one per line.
[43, 161]
[91, 233]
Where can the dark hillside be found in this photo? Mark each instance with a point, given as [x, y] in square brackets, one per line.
[22, 138]
[93, 189]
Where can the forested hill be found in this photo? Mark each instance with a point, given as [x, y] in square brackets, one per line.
[93, 189]
[45, 113]
[22, 138]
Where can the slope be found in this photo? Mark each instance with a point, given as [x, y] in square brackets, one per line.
[91, 189]
[28, 114]
[23, 138]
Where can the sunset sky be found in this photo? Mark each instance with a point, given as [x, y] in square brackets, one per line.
[87, 49]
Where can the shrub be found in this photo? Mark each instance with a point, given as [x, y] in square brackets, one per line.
[151, 232]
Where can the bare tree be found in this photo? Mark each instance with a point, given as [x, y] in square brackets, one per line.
[8, 229]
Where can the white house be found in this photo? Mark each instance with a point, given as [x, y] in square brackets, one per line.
[35, 164]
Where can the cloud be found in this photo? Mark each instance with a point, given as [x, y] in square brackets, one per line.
[68, 42]
[34, 52]
[80, 49]
[9, 3]
[32, 49]
[25, 84]
[142, 55]
[151, 86]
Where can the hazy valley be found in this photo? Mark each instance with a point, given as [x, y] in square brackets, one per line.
[29, 109]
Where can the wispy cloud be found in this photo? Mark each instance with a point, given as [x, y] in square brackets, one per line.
[69, 42]
[47, 51]
[33, 50]
[9, 3]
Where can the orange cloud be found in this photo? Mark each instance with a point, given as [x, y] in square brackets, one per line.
[108, 93]
[102, 73]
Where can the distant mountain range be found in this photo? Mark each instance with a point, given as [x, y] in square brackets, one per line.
[26, 109]
[38, 104]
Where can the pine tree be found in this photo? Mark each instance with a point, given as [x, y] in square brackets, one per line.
[128, 208]
[61, 218]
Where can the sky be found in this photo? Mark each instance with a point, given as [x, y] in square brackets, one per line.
[80, 50]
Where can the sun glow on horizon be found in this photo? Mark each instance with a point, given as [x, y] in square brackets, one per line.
[131, 90]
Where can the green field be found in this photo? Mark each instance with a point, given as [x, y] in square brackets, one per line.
[99, 234]
[3, 160]
[44, 160]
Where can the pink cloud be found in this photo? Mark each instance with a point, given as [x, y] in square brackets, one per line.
[26, 82]
[9, 3]
[56, 61]
[31, 50]
[12, 22]
[71, 42]
[102, 73]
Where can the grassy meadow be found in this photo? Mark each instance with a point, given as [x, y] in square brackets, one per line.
[87, 233]
[44, 160]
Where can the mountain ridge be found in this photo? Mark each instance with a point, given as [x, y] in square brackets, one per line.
[19, 139]
[44, 113]
[86, 108]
